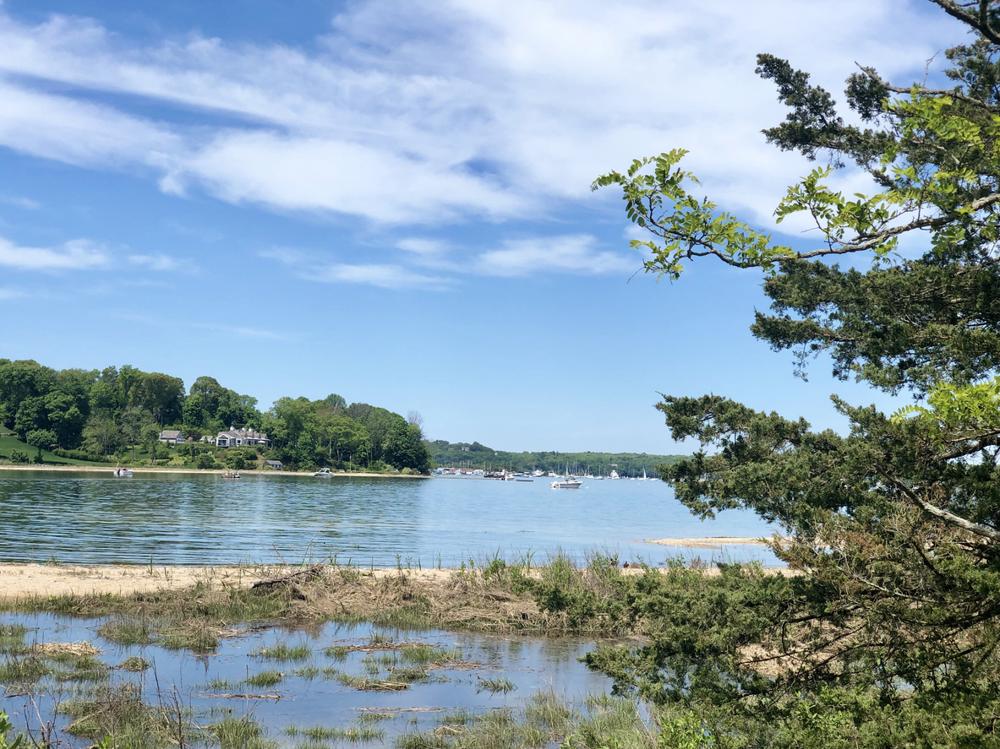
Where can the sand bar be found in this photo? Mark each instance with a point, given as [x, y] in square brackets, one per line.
[711, 542]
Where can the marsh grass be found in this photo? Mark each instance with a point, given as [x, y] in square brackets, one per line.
[497, 685]
[613, 721]
[283, 652]
[23, 670]
[354, 734]
[12, 639]
[394, 680]
[545, 721]
[264, 679]
[118, 715]
[127, 630]
[338, 652]
[134, 664]
[79, 668]
[308, 672]
[221, 685]
[241, 733]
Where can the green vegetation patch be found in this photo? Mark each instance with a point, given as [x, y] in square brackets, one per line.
[283, 652]
[354, 734]
[241, 733]
[264, 679]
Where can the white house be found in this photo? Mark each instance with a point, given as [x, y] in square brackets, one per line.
[172, 436]
[242, 438]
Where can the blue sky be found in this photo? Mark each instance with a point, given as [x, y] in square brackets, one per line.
[391, 200]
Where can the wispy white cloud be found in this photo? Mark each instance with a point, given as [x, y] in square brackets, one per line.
[311, 267]
[243, 331]
[383, 276]
[78, 254]
[434, 111]
[286, 255]
[575, 254]
[579, 254]
[161, 263]
[19, 201]
[226, 329]
[7, 294]
[424, 247]
[81, 133]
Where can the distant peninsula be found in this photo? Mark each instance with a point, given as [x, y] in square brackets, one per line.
[478, 456]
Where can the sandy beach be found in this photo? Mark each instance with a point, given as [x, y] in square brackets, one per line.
[22, 580]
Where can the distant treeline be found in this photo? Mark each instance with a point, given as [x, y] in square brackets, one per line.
[119, 412]
[475, 455]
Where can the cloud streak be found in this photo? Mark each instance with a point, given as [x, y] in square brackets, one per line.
[576, 254]
[78, 254]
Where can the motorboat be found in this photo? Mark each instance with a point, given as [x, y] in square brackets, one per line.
[323, 473]
[123, 473]
[567, 483]
[231, 475]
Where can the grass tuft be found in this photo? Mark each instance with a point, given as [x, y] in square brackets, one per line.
[127, 630]
[264, 679]
[283, 652]
[241, 733]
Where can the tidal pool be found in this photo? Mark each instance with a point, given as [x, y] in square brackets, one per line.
[315, 686]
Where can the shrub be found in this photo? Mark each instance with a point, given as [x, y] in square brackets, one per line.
[19, 456]
[79, 455]
[205, 460]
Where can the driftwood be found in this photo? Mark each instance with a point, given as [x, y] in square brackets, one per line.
[290, 581]
[241, 696]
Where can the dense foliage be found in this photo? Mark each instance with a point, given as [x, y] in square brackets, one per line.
[475, 455]
[889, 634]
[116, 412]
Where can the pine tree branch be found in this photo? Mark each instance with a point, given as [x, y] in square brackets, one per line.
[951, 518]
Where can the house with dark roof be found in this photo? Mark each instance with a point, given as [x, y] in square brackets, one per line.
[172, 436]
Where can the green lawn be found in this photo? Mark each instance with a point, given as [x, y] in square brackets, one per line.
[9, 442]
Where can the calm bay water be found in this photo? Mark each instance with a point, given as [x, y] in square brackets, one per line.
[204, 519]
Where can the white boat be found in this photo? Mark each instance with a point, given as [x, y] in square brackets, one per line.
[323, 473]
[123, 473]
[614, 476]
[231, 475]
[568, 483]
[643, 478]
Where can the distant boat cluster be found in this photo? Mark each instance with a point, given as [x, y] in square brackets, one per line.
[565, 480]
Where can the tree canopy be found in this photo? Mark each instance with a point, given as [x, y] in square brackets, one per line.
[94, 414]
[888, 632]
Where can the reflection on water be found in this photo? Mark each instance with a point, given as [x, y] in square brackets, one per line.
[202, 519]
[532, 665]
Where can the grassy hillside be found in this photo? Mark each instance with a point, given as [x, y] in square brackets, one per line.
[9, 442]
